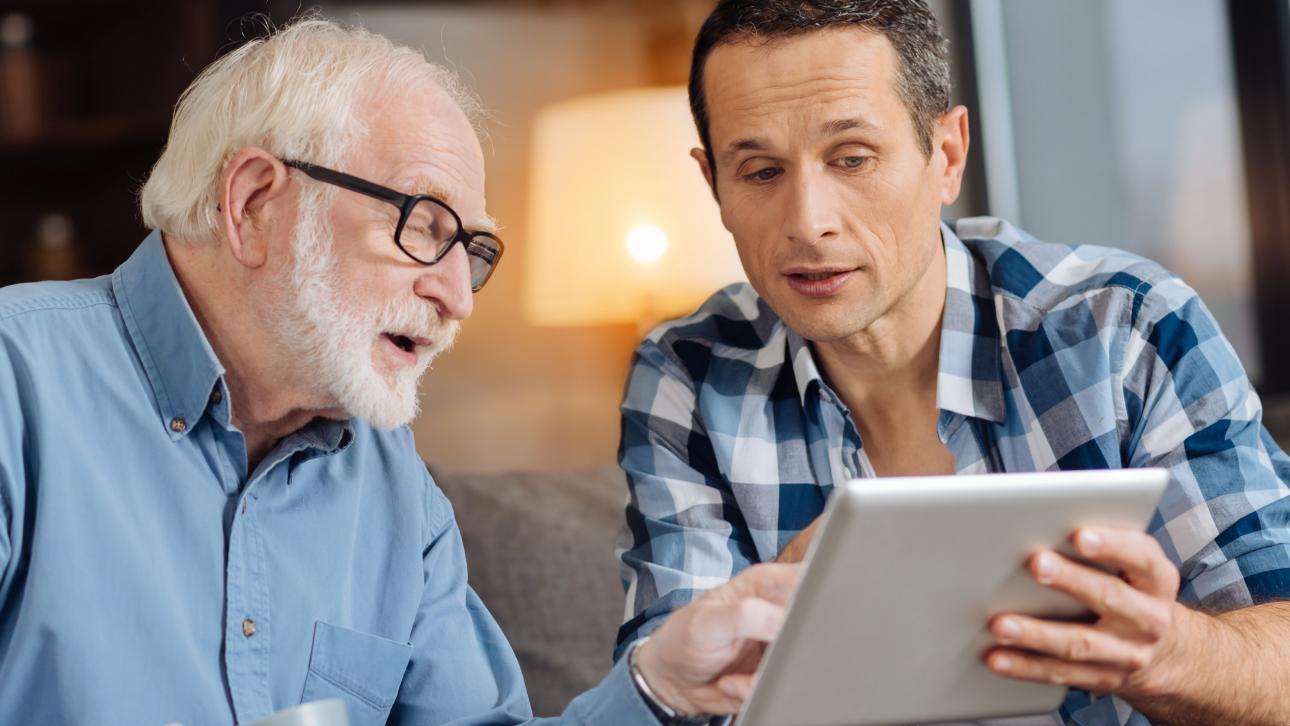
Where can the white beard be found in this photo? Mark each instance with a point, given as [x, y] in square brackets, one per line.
[335, 344]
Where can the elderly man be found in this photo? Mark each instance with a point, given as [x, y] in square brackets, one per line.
[244, 523]
[874, 340]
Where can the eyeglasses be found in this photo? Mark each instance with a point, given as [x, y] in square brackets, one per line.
[427, 228]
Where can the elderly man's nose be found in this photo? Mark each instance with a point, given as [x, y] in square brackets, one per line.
[446, 284]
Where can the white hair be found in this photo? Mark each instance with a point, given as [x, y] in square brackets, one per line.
[296, 93]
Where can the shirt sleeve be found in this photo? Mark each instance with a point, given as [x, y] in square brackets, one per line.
[1222, 520]
[463, 671]
[1191, 409]
[12, 464]
[683, 533]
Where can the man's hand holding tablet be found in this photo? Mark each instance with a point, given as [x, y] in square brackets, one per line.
[1137, 646]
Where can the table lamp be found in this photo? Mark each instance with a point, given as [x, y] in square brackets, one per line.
[623, 228]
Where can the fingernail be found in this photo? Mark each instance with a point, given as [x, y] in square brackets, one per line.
[1089, 539]
[729, 689]
[1045, 567]
[1002, 663]
[1007, 630]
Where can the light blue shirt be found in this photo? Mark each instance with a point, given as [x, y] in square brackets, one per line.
[147, 577]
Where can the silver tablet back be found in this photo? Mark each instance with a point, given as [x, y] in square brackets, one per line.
[889, 623]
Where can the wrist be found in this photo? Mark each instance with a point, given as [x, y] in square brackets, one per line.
[1193, 635]
[663, 698]
[1220, 667]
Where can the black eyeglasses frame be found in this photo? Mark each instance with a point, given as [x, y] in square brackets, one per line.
[405, 204]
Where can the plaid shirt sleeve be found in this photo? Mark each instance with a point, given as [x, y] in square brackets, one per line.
[1189, 407]
[682, 535]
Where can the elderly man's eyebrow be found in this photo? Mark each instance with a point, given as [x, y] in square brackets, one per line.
[424, 186]
[485, 224]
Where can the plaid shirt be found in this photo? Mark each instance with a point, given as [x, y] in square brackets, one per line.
[1051, 357]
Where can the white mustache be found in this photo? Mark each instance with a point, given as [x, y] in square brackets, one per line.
[418, 319]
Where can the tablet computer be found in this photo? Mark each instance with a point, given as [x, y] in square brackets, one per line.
[888, 624]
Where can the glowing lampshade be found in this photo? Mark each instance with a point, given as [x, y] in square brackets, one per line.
[623, 228]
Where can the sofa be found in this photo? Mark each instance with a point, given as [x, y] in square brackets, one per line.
[539, 548]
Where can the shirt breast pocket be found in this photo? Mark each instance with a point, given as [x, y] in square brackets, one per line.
[362, 669]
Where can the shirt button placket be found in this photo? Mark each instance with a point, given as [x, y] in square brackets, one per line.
[247, 635]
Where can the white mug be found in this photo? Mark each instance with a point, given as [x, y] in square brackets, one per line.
[328, 712]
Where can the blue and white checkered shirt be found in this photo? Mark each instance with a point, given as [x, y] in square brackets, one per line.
[1051, 357]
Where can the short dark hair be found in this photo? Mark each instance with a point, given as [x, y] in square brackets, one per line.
[924, 77]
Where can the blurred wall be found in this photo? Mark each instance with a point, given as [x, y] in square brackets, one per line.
[1126, 133]
[511, 395]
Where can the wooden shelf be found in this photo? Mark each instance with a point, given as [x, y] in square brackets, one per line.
[102, 77]
[93, 132]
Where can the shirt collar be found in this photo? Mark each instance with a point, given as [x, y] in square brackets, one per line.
[180, 363]
[327, 436]
[967, 380]
[805, 371]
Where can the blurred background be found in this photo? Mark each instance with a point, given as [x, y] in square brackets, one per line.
[1158, 126]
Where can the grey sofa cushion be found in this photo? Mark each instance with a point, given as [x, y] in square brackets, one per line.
[539, 548]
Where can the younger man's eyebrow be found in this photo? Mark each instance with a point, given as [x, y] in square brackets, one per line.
[835, 127]
[829, 128]
[743, 145]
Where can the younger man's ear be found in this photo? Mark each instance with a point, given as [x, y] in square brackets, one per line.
[251, 203]
[701, 156]
[952, 141]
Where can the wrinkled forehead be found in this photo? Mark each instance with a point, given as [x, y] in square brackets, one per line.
[421, 142]
[835, 72]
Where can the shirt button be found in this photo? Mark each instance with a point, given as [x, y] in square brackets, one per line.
[178, 425]
[248, 627]
[217, 395]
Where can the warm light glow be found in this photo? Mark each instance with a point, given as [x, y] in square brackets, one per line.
[646, 243]
[615, 194]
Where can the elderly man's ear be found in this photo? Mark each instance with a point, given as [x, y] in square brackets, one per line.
[252, 203]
